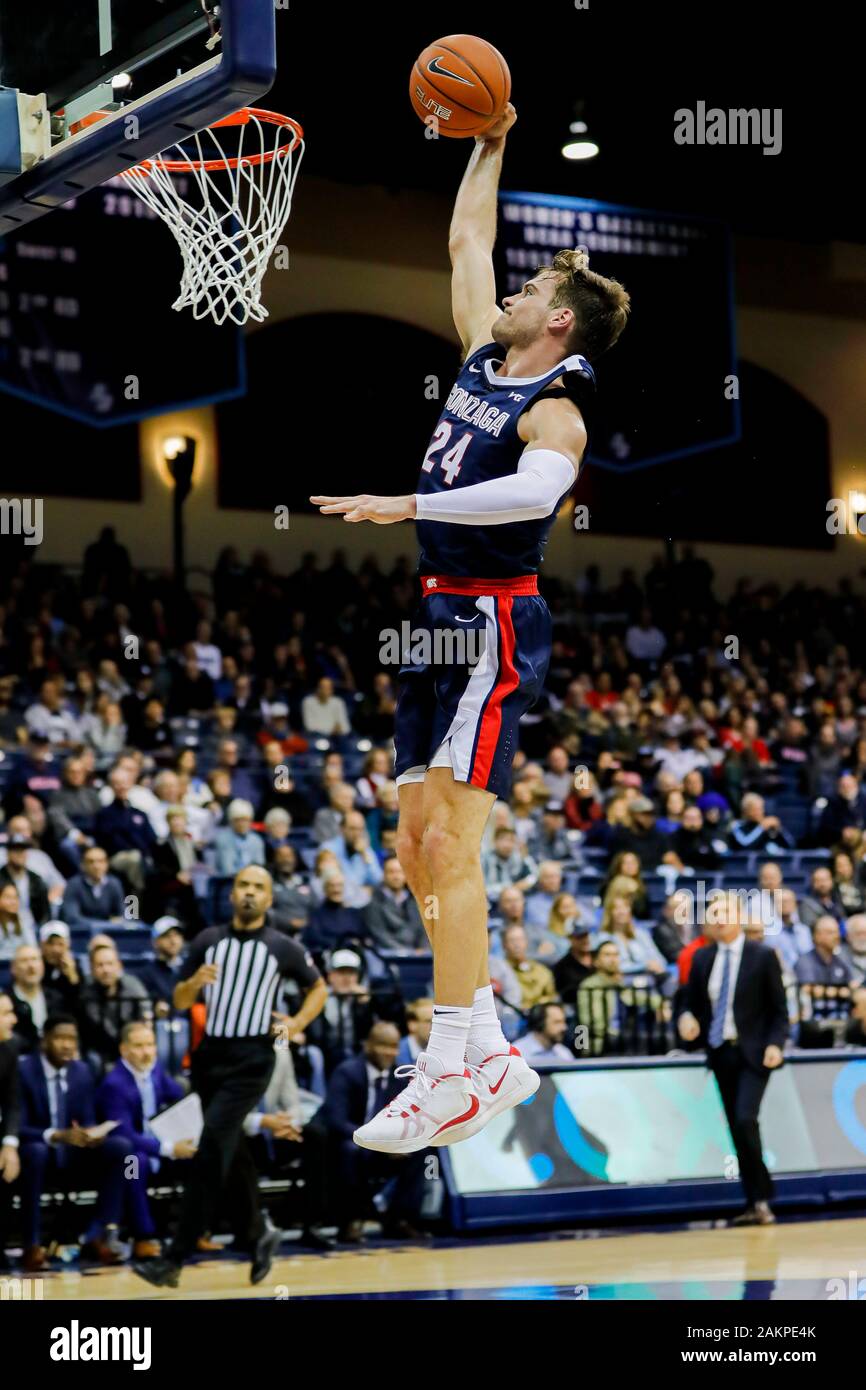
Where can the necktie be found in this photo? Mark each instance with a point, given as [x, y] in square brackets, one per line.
[61, 1113]
[148, 1098]
[60, 1103]
[380, 1088]
[717, 1026]
[147, 1091]
[347, 1024]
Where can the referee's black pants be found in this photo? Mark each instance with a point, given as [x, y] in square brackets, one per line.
[230, 1075]
[742, 1088]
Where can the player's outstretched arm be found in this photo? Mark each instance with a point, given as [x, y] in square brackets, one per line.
[365, 507]
[555, 438]
[472, 236]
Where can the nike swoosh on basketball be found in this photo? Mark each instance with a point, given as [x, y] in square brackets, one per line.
[435, 66]
[494, 1089]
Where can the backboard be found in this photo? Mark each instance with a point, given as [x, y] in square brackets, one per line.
[159, 68]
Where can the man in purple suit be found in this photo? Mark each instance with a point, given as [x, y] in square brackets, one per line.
[134, 1091]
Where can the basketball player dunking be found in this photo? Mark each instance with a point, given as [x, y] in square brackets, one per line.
[504, 456]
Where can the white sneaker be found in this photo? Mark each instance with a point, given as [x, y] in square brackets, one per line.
[432, 1103]
[500, 1082]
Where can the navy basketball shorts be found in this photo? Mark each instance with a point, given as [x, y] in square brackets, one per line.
[475, 661]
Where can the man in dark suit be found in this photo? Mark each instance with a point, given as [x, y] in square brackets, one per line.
[134, 1091]
[10, 1113]
[358, 1089]
[735, 1005]
[59, 1150]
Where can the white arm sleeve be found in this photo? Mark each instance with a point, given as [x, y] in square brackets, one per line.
[542, 476]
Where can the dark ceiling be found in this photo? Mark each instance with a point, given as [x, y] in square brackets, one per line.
[345, 74]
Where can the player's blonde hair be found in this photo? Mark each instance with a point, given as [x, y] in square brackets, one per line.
[600, 306]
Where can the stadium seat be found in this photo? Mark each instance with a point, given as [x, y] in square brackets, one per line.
[415, 972]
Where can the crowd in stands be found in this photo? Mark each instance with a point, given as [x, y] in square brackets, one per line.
[154, 743]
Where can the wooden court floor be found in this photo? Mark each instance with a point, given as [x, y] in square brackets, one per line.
[795, 1259]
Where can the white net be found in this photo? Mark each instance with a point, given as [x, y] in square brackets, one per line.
[228, 211]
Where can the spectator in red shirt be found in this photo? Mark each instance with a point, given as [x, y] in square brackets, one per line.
[278, 730]
[731, 733]
[753, 744]
[583, 807]
[603, 695]
[705, 937]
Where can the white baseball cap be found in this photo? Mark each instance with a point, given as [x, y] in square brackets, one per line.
[164, 924]
[49, 929]
[344, 960]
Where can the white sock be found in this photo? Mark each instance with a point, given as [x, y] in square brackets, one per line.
[448, 1036]
[485, 1030]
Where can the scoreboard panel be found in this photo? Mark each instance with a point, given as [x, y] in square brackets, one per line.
[86, 323]
[665, 389]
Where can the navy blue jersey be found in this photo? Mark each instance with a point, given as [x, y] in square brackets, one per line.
[476, 439]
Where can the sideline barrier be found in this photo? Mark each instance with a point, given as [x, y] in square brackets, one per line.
[648, 1137]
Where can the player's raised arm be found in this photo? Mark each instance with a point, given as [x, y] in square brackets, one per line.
[472, 236]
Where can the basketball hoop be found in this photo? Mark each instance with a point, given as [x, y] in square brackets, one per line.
[241, 201]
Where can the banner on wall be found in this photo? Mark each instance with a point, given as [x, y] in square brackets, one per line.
[661, 1123]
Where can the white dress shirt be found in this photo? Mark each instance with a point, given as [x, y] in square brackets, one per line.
[373, 1078]
[715, 982]
[147, 1092]
[534, 1048]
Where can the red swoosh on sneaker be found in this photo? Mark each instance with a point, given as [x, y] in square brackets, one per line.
[461, 1119]
[494, 1089]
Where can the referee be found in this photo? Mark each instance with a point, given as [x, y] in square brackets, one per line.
[239, 967]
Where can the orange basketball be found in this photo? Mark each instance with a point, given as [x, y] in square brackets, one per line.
[463, 81]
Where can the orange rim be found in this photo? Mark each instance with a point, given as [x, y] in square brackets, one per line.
[188, 166]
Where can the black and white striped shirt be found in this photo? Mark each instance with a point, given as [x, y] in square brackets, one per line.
[251, 965]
